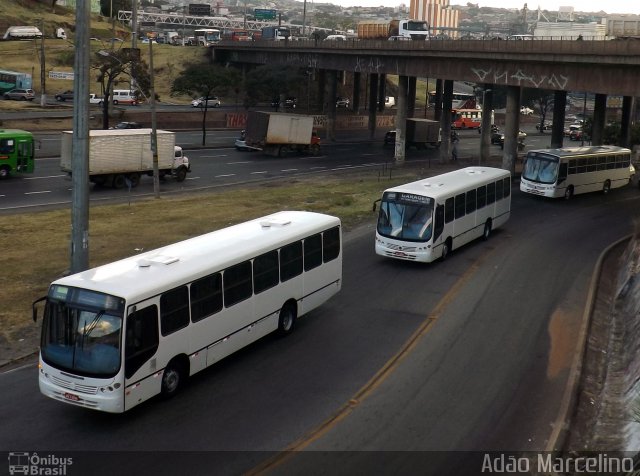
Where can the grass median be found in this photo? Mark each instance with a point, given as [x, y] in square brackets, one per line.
[37, 244]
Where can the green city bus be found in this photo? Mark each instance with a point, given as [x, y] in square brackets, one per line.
[17, 152]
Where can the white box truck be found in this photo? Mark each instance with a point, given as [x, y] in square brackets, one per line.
[118, 158]
[277, 133]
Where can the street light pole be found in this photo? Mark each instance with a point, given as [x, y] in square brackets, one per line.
[80, 144]
[154, 125]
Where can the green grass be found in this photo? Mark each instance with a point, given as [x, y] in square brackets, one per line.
[39, 250]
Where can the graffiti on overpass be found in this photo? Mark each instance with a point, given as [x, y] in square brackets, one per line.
[522, 78]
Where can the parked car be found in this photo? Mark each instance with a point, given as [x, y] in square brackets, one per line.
[20, 94]
[209, 102]
[527, 111]
[546, 126]
[289, 103]
[65, 95]
[127, 125]
[343, 102]
[571, 128]
[578, 134]
[521, 137]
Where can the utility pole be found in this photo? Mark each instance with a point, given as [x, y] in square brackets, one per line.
[80, 143]
[154, 125]
[43, 95]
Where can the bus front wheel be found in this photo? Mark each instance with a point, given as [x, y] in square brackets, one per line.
[4, 172]
[286, 319]
[606, 188]
[568, 193]
[446, 248]
[172, 379]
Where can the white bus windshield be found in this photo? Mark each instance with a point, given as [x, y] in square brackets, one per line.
[406, 216]
[82, 332]
[540, 168]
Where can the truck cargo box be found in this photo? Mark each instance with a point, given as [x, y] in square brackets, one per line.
[121, 151]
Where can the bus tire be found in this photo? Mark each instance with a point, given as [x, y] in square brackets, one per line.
[446, 249]
[172, 379]
[568, 193]
[606, 188]
[4, 172]
[286, 319]
[487, 230]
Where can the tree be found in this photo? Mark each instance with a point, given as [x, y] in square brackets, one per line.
[273, 81]
[110, 65]
[206, 80]
[542, 101]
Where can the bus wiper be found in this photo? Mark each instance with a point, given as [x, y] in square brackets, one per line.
[92, 325]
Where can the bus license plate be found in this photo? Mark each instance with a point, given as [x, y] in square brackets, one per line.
[72, 397]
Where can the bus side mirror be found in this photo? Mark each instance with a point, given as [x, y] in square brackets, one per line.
[374, 204]
[34, 308]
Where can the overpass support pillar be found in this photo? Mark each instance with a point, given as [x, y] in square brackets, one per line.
[401, 120]
[599, 119]
[322, 80]
[437, 107]
[382, 91]
[355, 104]
[331, 105]
[485, 138]
[557, 129]
[628, 103]
[446, 104]
[373, 95]
[411, 97]
[511, 129]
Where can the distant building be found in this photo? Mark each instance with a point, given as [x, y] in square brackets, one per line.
[95, 5]
[442, 18]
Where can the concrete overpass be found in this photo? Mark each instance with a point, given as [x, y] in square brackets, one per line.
[600, 67]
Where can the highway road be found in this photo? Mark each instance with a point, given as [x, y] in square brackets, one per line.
[218, 165]
[475, 352]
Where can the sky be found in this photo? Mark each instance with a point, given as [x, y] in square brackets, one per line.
[609, 6]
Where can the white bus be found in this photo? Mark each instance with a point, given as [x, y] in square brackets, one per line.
[207, 36]
[116, 335]
[425, 220]
[574, 170]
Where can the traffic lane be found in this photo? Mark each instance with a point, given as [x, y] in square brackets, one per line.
[274, 392]
[491, 371]
[211, 168]
[261, 398]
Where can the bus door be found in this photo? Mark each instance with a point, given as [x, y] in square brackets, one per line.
[25, 156]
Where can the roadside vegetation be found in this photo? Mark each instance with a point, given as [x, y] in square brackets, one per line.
[40, 250]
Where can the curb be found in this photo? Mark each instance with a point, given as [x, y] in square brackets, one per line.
[567, 406]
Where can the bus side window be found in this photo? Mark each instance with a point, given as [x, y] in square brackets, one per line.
[141, 338]
[312, 252]
[331, 244]
[562, 174]
[174, 310]
[439, 226]
[448, 210]
[460, 205]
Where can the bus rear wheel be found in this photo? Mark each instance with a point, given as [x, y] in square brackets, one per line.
[4, 172]
[286, 319]
[606, 188]
[487, 230]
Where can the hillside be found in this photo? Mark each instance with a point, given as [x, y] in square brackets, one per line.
[24, 56]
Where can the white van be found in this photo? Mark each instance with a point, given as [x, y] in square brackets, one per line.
[124, 96]
[22, 33]
[61, 34]
[336, 38]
